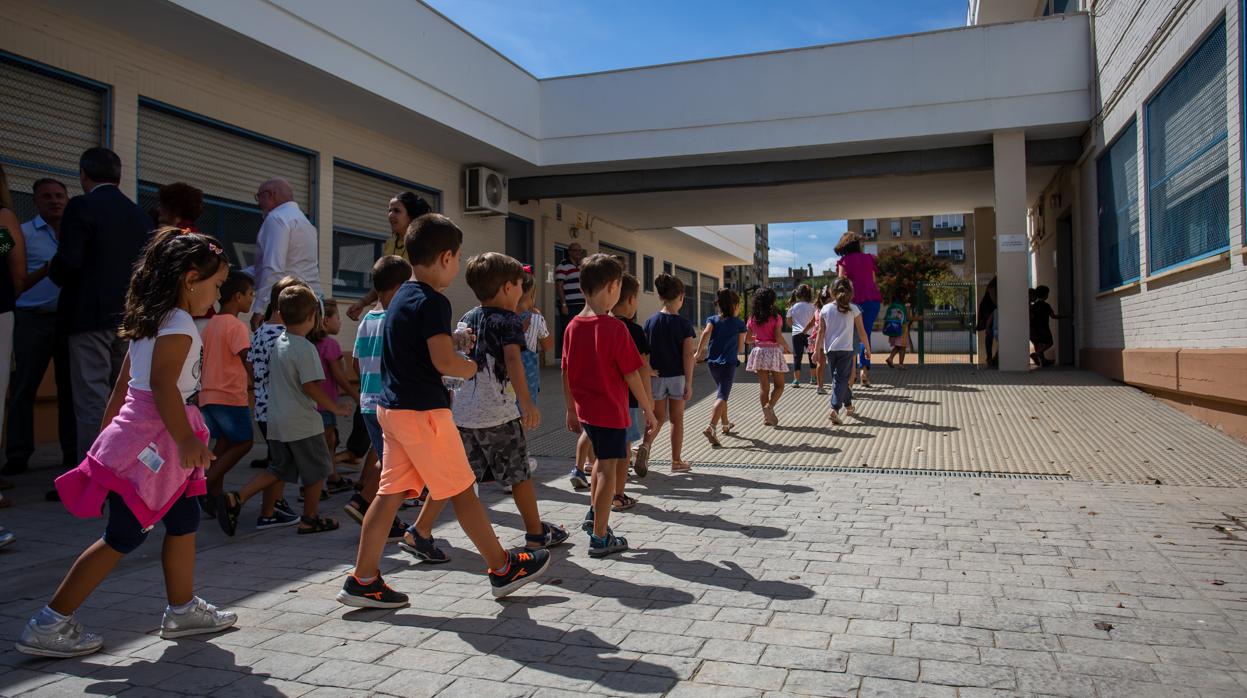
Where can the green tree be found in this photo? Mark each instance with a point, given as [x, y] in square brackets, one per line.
[902, 267]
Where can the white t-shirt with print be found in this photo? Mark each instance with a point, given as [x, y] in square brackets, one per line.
[261, 346]
[537, 331]
[840, 327]
[177, 321]
[802, 315]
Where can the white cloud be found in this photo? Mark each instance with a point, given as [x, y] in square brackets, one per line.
[782, 257]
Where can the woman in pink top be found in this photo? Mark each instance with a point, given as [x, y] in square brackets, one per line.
[765, 333]
[862, 269]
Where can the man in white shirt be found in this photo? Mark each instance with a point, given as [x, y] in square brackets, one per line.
[286, 245]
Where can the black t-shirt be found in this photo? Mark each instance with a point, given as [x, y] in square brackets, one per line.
[1040, 313]
[409, 379]
[666, 333]
[494, 329]
[642, 348]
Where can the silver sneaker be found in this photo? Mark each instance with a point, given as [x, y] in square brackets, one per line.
[200, 619]
[63, 639]
[6, 536]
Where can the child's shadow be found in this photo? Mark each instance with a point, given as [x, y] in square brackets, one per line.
[628, 593]
[711, 521]
[871, 422]
[730, 576]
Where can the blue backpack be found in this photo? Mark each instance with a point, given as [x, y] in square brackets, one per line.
[894, 320]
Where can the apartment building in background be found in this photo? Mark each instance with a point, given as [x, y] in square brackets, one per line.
[950, 236]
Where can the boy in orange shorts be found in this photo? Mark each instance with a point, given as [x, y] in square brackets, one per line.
[422, 444]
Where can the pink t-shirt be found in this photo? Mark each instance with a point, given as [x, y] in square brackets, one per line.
[860, 268]
[765, 333]
[330, 353]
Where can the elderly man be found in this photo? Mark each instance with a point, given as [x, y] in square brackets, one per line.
[567, 291]
[285, 246]
[37, 339]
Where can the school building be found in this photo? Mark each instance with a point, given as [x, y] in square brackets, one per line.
[1095, 146]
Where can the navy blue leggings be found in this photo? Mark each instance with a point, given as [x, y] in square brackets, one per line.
[123, 532]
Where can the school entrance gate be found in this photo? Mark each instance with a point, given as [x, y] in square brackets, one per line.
[946, 333]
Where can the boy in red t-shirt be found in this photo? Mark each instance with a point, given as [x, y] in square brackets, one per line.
[600, 366]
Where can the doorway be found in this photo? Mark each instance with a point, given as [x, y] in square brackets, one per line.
[1065, 289]
[520, 238]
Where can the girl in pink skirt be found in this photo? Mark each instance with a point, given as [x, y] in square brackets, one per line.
[765, 333]
[148, 462]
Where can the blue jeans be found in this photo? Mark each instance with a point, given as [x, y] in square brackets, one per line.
[870, 313]
[840, 365]
[375, 435]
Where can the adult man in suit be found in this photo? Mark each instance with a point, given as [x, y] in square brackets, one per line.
[102, 234]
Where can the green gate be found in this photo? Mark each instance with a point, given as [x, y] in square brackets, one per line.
[946, 331]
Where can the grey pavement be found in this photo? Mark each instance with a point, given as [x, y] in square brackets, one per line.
[741, 581]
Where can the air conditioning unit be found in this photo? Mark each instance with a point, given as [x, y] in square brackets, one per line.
[484, 192]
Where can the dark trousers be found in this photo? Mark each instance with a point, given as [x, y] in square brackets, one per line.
[840, 365]
[35, 343]
[561, 322]
[358, 442]
[800, 342]
[95, 360]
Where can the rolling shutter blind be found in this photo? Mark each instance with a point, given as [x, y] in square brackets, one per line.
[1188, 160]
[45, 124]
[1117, 183]
[360, 202]
[223, 164]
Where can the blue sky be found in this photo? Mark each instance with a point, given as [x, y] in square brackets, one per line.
[565, 37]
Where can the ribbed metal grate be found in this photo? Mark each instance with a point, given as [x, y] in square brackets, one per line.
[877, 471]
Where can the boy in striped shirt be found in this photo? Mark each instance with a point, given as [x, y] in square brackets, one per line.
[388, 274]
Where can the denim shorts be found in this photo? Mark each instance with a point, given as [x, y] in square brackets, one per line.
[329, 419]
[375, 435]
[123, 532]
[229, 422]
[636, 427]
[607, 443]
[671, 388]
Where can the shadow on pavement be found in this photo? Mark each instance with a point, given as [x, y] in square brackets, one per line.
[729, 576]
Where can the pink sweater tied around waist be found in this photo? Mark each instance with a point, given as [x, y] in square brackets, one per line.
[137, 458]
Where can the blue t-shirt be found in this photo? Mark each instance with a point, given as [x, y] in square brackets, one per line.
[725, 340]
[666, 333]
[409, 379]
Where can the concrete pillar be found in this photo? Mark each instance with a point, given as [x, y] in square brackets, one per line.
[984, 265]
[1009, 153]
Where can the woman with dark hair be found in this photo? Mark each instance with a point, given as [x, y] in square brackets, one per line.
[862, 269]
[180, 206]
[405, 207]
[12, 282]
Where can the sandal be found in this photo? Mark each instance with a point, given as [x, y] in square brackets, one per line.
[552, 535]
[641, 463]
[317, 525]
[622, 502]
[680, 466]
[709, 434]
[728, 429]
[342, 484]
[228, 505]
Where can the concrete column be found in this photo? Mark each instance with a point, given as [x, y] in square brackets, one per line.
[984, 264]
[1009, 153]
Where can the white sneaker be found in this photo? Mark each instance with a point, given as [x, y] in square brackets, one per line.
[835, 418]
[202, 618]
[63, 639]
[6, 536]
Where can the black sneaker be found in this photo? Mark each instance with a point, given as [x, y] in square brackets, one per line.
[284, 506]
[522, 568]
[425, 549]
[551, 536]
[375, 595]
[279, 519]
[397, 529]
[606, 545]
[587, 524]
[228, 507]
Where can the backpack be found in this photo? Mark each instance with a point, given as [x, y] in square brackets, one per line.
[894, 320]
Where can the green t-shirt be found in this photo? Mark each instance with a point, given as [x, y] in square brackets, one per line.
[292, 415]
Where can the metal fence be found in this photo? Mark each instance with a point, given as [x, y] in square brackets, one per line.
[946, 326]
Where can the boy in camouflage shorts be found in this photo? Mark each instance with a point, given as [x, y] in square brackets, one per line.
[494, 408]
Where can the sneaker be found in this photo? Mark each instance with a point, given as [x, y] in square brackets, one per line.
[579, 480]
[424, 549]
[641, 463]
[835, 418]
[63, 639]
[796, 383]
[522, 568]
[356, 508]
[820, 391]
[397, 529]
[606, 545]
[412, 503]
[342, 484]
[283, 505]
[228, 507]
[6, 536]
[378, 594]
[506, 489]
[202, 618]
[277, 520]
[587, 524]
[551, 536]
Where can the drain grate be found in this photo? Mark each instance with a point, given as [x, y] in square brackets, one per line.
[879, 471]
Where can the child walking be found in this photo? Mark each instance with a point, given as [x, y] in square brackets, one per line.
[493, 408]
[722, 341]
[261, 344]
[388, 273]
[537, 337]
[767, 356]
[148, 462]
[422, 445]
[897, 320]
[600, 367]
[1040, 328]
[295, 429]
[802, 315]
[836, 325]
[625, 310]
[335, 383]
[818, 361]
[671, 346]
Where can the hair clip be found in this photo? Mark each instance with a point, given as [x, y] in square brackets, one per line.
[215, 248]
[528, 268]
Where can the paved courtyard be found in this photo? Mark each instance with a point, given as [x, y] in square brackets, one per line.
[744, 581]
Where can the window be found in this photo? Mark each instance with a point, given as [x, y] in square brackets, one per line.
[48, 118]
[361, 227]
[666, 267]
[1117, 186]
[709, 292]
[647, 273]
[689, 309]
[951, 250]
[896, 229]
[628, 257]
[948, 220]
[915, 228]
[871, 248]
[870, 227]
[1188, 160]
